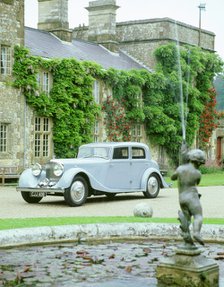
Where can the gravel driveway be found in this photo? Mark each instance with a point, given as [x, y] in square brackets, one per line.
[165, 205]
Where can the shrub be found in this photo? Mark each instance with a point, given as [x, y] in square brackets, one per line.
[211, 167]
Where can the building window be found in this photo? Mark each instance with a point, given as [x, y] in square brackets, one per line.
[42, 137]
[3, 137]
[44, 81]
[96, 91]
[38, 79]
[6, 60]
[96, 132]
[139, 101]
[136, 133]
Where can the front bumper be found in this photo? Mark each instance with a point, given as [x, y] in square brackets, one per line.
[47, 190]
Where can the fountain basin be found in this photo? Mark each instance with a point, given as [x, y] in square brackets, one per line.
[122, 254]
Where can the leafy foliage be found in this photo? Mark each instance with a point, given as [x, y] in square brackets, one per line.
[139, 96]
[70, 103]
[198, 69]
[209, 120]
[116, 122]
[189, 71]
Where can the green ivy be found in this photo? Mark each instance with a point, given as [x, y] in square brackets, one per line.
[70, 103]
[198, 69]
[139, 96]
[160, 93]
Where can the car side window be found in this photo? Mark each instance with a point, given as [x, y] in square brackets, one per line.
[138, 153]
[120, 153]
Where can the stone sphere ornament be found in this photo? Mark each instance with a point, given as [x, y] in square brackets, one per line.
[143, 210]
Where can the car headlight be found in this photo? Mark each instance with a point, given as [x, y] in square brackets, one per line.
[36, 169]
[58, 169]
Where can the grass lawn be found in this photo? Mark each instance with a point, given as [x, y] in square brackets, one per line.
[13, 223]
[210, 179]
[213, 179]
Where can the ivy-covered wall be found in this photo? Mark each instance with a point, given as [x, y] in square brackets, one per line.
[70, 103]
[152, 99]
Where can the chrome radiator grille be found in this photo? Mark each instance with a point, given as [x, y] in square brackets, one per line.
[50, 171]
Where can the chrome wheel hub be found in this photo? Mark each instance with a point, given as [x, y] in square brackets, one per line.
[77, 191]
[153, 185]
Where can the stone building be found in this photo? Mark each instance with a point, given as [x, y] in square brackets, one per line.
[26, 138]
[138, 38]
[13, 118]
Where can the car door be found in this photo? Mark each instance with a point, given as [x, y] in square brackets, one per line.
[118, 176]
[139, 164]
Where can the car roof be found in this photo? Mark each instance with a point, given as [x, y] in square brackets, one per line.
[115, 144]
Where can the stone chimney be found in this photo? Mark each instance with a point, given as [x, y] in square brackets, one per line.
[11, 22]
[53, 17]
[102, 23]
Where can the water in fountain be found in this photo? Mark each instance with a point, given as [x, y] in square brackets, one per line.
[97, 264]
[183, 114]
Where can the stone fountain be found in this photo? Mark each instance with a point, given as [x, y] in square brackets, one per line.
[188, 267]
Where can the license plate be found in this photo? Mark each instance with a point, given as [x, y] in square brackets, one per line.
[37, 194]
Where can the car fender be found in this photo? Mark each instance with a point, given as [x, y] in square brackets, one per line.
[27, 179]
[146, 175]
[68, 176]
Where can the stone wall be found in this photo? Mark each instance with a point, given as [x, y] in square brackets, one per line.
[52, 14]
[163, 29]
[80, 32]
[141, 38]
[102, 23]
[12, 19]
[53, 17]
[13, 110]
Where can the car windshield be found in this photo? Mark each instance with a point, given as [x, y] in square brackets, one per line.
[85, 152]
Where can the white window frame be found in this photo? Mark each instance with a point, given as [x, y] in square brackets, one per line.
[139, 101]
[96, 133]
[6, 60]
[3, 137]
[44, 81]
[136, 132]
[96, 91]
[42, 137]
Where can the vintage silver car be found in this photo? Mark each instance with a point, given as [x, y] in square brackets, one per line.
[100, 168]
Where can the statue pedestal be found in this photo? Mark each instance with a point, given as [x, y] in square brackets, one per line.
[188, 268]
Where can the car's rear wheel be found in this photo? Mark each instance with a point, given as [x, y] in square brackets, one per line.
[153, 186]
[30, 199]
[77, 193]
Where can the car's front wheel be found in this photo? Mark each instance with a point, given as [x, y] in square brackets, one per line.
[30, 199]
[77, 193]
[153, 186]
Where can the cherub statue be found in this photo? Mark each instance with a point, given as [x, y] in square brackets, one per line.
[188, 177]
